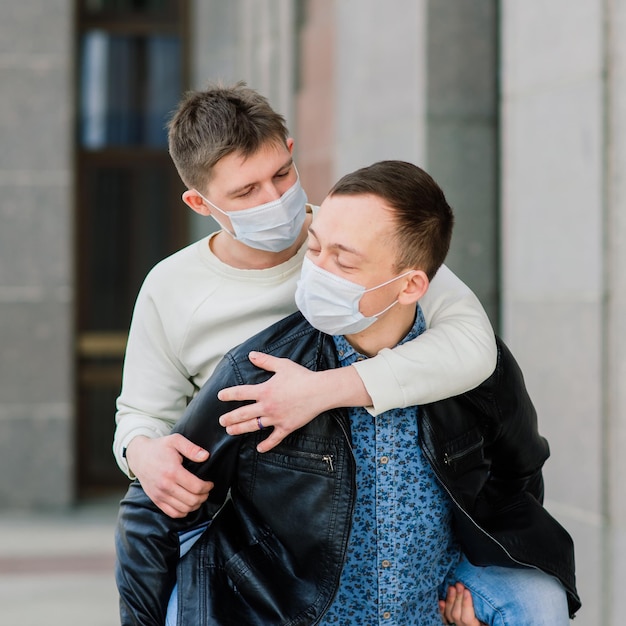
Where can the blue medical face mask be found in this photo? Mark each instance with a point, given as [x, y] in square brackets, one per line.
[273, 226]
[330, 303]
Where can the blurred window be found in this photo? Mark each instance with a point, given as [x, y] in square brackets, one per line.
[131, 71]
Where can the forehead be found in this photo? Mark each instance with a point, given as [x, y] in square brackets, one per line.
[236, 169]
[356, 221]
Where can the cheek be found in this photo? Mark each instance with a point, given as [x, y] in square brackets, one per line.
[371, 303]
[286, 183]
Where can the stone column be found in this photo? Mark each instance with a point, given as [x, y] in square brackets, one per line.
[615, 297]
[563, 256]
[380, 82]
[462, 135]
[249, 40]
[36, 246]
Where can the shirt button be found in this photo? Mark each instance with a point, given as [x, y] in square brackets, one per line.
[386, 615]
[386, 563]
[384, 460]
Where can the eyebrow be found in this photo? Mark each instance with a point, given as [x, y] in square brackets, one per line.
[234, 192]
[338, 246]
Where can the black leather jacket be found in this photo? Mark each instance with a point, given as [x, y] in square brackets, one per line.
[274, 550]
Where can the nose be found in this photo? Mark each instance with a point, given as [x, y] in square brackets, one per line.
[270, 192]
[275, 192]
[321, 259]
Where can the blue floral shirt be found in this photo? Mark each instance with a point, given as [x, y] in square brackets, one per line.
[402, 545]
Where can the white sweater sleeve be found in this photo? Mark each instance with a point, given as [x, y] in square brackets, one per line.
[455, 354]
[155, 386]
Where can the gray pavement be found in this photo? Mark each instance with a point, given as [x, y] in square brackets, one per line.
[56, 568]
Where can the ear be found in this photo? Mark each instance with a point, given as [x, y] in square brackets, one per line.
[195, 202]
[416, 286]
[289, 144]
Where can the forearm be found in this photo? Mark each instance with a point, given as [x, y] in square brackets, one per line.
[341, 387]
[156, 385]
[428, 369]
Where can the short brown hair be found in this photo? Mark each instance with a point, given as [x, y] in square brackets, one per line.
[210, 124]
[423, 217]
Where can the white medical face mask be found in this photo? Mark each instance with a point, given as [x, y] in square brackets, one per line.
[331, 303]
[273, 226]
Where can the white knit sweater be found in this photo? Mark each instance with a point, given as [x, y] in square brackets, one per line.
[192, 309]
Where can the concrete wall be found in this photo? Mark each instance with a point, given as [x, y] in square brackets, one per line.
[315, 98]
[563, 236]
[407, 79]
[250, 40]
[36, 310]
[380, 81]
[615, 327]
[417, 81]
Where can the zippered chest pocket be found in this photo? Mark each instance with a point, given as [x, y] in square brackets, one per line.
[296, 491]
[464, 452]
[322, 462]
[311, 463]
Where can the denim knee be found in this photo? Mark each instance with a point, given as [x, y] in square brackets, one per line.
[506, 596]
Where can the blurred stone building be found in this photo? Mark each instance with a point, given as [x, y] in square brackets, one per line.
[517, 108]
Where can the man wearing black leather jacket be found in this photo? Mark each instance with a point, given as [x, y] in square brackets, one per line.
[281, 537]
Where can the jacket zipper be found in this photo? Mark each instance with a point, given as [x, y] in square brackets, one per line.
[435, 469]
[451, 458]
[328, 459]
[337, 417]
[458, 506]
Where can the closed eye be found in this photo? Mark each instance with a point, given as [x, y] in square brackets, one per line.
[245, 192]
[343, 266]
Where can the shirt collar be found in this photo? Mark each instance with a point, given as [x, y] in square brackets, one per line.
[348, 354]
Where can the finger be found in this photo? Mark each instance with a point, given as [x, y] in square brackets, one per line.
[249, 426]
[265, 361]
[239, 393]
[276, 436]
[467, 606]
[442, 611]
[177, 509]
[178, 503]
[449, 603]
[240, 415]
[188, 483]
[457, 607]
[185, 500]
[189, 449]
[170, 511]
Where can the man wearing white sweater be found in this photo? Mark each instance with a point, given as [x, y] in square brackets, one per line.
[356, 519]
[234, 154]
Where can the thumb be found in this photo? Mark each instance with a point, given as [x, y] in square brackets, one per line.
[190, 450]
[265, 361]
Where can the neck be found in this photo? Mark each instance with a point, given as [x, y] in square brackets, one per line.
[386, 332]
[240, 256]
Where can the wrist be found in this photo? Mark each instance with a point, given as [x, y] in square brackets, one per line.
[343, 387]
[130, 451]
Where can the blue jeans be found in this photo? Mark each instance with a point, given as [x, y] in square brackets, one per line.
[505, 596]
